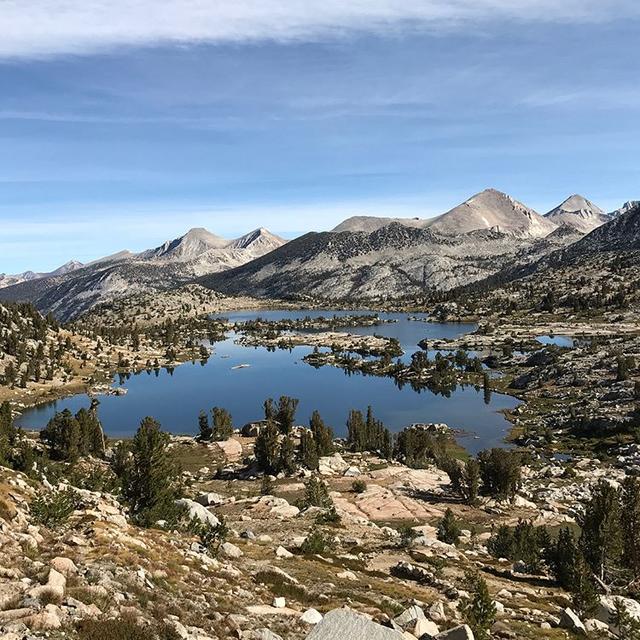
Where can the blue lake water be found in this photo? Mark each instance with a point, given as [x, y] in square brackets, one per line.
[175, 399]
[559, 341]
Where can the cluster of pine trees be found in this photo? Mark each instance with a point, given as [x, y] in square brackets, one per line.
[275, 449]
[30, 349]
[68, 436]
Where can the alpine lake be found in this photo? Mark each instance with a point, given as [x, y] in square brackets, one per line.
[239, 378]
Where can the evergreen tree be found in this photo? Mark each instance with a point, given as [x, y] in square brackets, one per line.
[286, 413]
[448, 529]
[287, 461]
[583, 590]
[630, 521]
[8, 432]
[316, 493]
[222, 424]
[92, 440]
[478, 610]
[601, 539]
[322, 434]
[562, 558]
[150, 479]
[308, 451]
[62, 436]
[205, 430]
[269, 411]
[470, 481]
[267, 448]
[501, 472]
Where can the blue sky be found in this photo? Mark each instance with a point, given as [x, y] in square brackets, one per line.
[120, 128]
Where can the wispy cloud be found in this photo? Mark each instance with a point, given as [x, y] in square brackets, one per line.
[41, 28]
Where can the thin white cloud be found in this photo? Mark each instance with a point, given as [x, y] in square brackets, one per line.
[41, 28]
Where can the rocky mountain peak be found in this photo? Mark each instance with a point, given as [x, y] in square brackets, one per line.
[578, 212]
[258, 237]
[493, 209]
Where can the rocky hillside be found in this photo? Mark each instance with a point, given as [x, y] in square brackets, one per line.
[392, 261]
[173, 263]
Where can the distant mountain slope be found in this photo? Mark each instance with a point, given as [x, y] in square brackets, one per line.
[391, 262]
[489, 209]
[592, 256]
[175, 262]
[492, 209]
[579, 213]
[621, 234]
[8, 280]
[369, 224]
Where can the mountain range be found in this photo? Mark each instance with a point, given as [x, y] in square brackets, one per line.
[363, 258]
[7, 280]
[173, 263]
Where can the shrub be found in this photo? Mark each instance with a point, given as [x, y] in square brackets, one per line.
[329, 516]
[124, 628]
[211, 537]
[54, 508]
[359, 486]
[407, 535]
[316, 543]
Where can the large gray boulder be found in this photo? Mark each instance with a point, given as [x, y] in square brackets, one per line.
[346, 624]
[569, 620]
[197, 511]
[463, 632]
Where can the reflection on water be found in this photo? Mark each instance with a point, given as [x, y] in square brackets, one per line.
[175, 398]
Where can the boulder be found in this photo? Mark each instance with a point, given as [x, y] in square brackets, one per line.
[436, 612]
[463, 632]
[311, 616]
[281, 552]
[424, 627]
[230, 550]
[409, 617]
[346, 624]
[265, 634]
[279, 603]
[198, 512]
[65, 566]
[210, 499]
[570, 620]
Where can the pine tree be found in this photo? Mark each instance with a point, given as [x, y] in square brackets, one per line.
[562, 558]
[448, 529]
[222, 424]
[267, 448]
[8, 432]
[630, 521]
[316, 493]
[601, 539]
[62, 436]
[478, 610]
[150, 480]
[322, 434]
[501, 472]
[205, 430]
[583, 589]
[286, 413]
[308, 451]
[287, 461]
